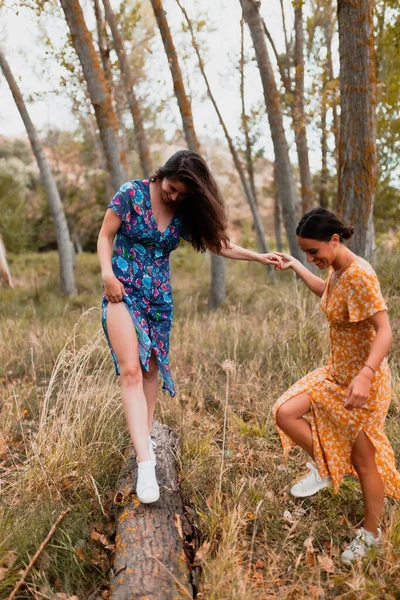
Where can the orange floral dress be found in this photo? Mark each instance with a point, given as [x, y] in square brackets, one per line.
[354, 299]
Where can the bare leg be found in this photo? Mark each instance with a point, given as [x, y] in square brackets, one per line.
[290, 419]
[150, 388]
[363, 459]
[123, 338]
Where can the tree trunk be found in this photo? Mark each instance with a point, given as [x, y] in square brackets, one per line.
[277, 214]
[285, 179]
[218, 276]
[49, 184]
[117, 94]
[140, 134]
[329, 62]
[357, 146]
[150, 558]
[299, 120]
[4, 269]
[244, 119]
[185, 107]
[98, 90]
[323, 200]
[261, 238]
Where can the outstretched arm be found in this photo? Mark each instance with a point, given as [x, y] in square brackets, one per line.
[238, 253]
[316, 284]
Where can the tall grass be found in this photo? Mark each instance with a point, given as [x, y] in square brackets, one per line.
[62, 436]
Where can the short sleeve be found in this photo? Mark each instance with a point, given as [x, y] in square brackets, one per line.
[120, 204]
[364, 297]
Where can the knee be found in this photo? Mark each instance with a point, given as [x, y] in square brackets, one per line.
[131, 375]
[151, 373]
[362, 464]
[283, 415]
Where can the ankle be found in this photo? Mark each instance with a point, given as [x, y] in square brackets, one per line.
[143, 457]
[373, 530]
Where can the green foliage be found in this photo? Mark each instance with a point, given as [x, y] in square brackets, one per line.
[13, 193]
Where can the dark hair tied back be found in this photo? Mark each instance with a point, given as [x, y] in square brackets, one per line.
[320, 224]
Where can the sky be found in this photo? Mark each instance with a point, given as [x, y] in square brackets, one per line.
[38, 75]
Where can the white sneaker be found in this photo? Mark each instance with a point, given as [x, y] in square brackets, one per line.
[152, 447]
[359, 547]
[311, 484]
[147, 489]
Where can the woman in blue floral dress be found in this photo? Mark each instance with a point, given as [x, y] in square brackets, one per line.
[148, 218]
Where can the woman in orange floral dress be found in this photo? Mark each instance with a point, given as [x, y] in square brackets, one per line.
[346, 400]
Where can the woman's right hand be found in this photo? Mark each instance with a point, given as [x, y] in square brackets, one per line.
[113, 288]
[287, 261]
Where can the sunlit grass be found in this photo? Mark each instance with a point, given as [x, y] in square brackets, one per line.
[62, 435]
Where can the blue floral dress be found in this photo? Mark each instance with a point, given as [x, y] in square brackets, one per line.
[141, 263]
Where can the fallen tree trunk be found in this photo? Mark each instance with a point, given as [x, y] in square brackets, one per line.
[150, 552]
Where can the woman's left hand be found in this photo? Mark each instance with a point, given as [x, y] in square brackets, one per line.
[358, 392]
[270, 259]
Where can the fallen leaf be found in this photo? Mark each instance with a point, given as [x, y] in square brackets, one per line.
[203, 552]
[310, 559]
[73, 598]
[259, 564]
[3, 572]
[62, 596]
[80, 551]
[326, 564]
[105, 594]
[317, 591]
[289, 518]
[99, 538]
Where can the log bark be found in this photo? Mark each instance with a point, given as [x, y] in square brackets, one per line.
[357, 145]
[64, 245]
[152, 540]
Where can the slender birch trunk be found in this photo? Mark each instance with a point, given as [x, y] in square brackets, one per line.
[99, 91]
[218, 275]
[299, 119]
[134, 105]
[357, 145]
[56, 208]
[285, 178]
[261, 238]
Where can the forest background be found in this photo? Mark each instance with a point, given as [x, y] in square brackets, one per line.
[59, 398]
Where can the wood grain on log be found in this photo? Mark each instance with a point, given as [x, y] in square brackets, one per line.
[150, 560]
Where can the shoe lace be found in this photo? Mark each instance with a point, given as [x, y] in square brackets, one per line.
[313, 471]
[153, 443]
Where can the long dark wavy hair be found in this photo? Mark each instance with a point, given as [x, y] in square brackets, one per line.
[320, 224]
[202, 210]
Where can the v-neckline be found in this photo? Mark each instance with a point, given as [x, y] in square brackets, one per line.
[153, 217]
[329, 295]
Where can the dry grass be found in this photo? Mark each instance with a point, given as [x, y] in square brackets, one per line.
[62, 435]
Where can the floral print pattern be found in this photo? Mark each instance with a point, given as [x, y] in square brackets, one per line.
[141, 263]
[355, 298]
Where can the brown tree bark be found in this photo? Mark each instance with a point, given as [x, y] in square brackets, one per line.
[328, 27]
[98, 90]
[184, 104]
[64, 245]
[285, 178]
[218, 275]
[299, 120]
[134, 105]
[357, 145]
[152, 539]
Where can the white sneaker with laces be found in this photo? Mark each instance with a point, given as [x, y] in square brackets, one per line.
[147, 489]
[152, 447]
[359, 547]
[311, 484]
